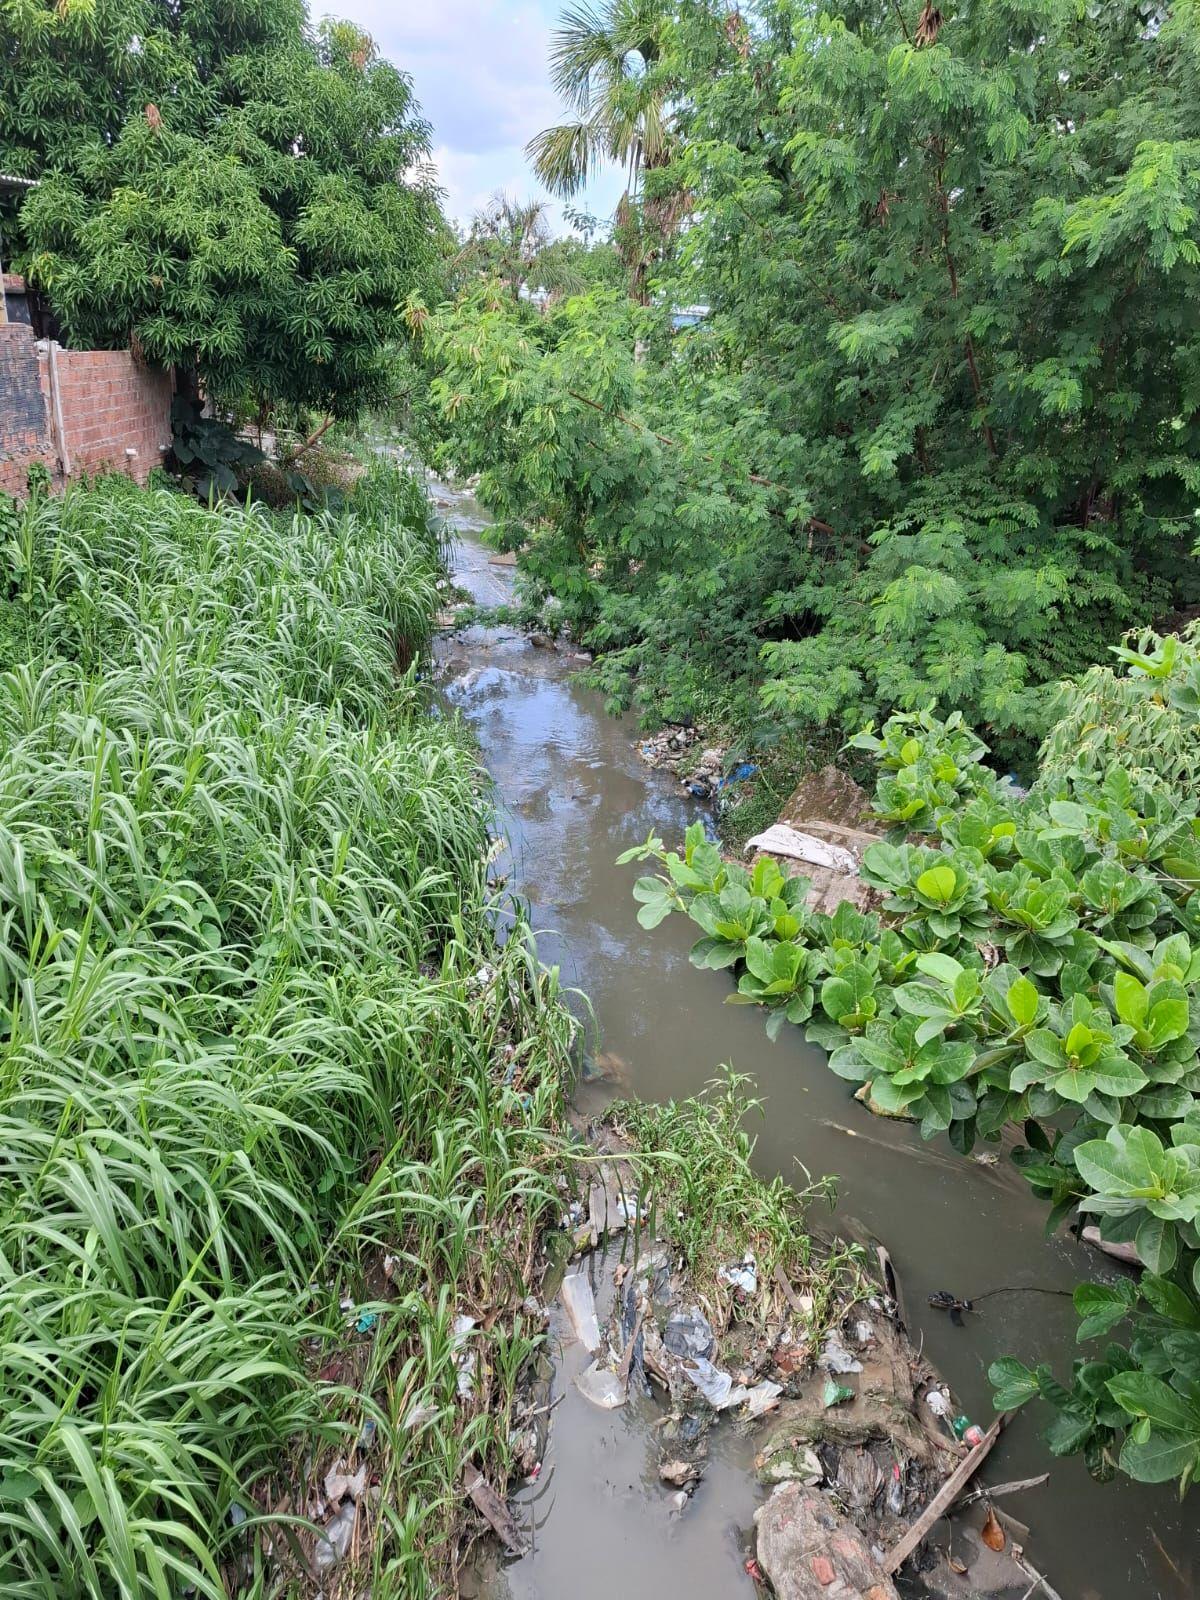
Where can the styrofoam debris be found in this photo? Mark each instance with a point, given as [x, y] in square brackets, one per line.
[782, 840]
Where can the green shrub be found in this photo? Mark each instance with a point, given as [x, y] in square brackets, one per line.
[1035, 964]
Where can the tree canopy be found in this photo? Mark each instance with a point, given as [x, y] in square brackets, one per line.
[937, 440]
[221, 184]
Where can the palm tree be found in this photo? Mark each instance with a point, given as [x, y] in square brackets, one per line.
[511, 240]
[602, 63]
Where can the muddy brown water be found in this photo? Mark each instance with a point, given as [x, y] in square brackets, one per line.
[573, 794]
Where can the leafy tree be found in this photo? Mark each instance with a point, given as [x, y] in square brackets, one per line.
[507, 239]
[937, 439]
[607, 64]
[1036, 969]
[511, 241]
[220, 184]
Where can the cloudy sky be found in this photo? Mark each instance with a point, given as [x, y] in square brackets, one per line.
[480, 72]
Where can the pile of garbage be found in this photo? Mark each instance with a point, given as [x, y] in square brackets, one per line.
[701, 771]
[859, 1441]
[668, 747]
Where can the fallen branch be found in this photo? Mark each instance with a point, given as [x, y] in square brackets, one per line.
[1000, 1489]
[944, 1498]
[789, 1294]
[308, 443]
[489, 1504]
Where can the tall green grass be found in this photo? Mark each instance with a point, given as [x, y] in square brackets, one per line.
[255, 1035]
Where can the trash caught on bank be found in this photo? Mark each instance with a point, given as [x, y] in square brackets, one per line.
[580, 1303]
[741, 1275]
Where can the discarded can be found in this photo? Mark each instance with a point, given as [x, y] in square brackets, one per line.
[968, 1431]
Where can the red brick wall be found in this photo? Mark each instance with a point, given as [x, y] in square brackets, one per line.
[116, 413]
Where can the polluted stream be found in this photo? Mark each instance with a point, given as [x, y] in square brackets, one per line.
[572, 793]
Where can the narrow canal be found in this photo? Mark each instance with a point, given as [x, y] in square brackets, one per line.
[573, 794]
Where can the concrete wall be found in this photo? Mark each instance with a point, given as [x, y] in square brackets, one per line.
[115, 414]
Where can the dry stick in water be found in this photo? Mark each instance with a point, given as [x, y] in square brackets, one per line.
[994, 1493]
[1040, 1580]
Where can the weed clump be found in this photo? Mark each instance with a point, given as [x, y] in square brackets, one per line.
[276, 1114]
[717, 1210]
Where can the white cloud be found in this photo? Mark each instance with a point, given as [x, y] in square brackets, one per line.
[479, 65]
[479, 68]
[470, 180]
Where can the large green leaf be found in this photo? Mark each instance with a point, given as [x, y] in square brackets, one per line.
[1013, 1382]
[1142, 1395]
[1127, 1164]
[1101, 1306]
[1160, 1458]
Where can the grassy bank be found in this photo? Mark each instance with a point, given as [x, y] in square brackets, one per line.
[715, 1209]
[273, 1110]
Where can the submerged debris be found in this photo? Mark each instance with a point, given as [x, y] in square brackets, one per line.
[602, 1386]
[680, 1473]
[944, 1300]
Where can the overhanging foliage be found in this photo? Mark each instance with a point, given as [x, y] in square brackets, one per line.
[936, 440]
[222, 185]
[1035, 967]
